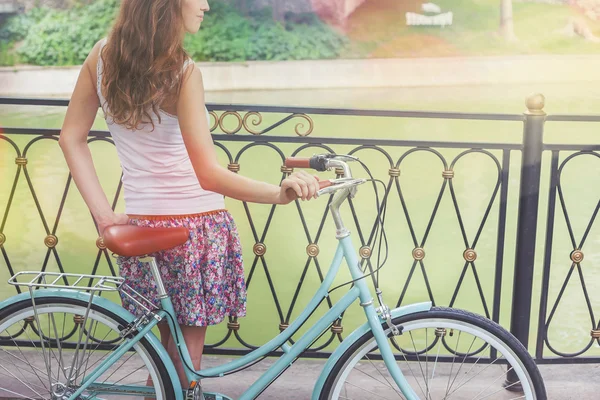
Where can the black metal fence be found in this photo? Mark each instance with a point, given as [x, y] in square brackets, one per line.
[240, 129]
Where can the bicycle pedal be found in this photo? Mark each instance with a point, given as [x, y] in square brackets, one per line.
[195, 392]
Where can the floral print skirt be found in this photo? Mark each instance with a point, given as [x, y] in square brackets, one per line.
[204, 276]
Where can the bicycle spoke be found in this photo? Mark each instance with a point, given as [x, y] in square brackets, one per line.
[368, 391]
[436, 360]
[12, 376]
[50, 350]
[463, 361]
[418, 359]
[116, 369]
[77, 347]
[87, 366]
[408, 365]
[120, 380]
[493, 382]
[59, 347]
[43, 388]
[25, 357]
[18, 394]
[504, 388]
[17, 378]
[87, 361]
[374, 378]
[383, 376]
[426, 377]
[39, 325]
[88, 337]
[473, 377]
[14, 364]
[90, 355]
[452, 367]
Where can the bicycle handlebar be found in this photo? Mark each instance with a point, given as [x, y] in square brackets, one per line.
[320, 162]
[325, 162]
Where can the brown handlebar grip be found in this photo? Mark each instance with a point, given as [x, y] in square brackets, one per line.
[297, 162]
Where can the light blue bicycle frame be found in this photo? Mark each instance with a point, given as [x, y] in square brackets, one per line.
[359, 291]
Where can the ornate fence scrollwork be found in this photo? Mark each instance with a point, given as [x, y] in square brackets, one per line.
[253, 119]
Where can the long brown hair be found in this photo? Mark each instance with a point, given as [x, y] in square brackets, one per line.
[143, 60]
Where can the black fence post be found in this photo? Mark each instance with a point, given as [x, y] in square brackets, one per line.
[533, 146]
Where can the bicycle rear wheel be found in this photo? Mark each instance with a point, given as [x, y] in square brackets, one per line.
[445, 354]
[46, 354]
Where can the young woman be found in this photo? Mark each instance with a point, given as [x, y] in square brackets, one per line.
[152, 96]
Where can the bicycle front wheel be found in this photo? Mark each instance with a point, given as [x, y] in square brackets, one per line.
[445, 354]
[47, 352]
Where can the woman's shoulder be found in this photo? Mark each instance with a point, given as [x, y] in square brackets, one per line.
[93, 58]
[91, 61]
[192, 75]
[95, 52]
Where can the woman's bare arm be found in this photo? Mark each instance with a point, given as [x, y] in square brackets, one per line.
[214, 177]
[73, 142]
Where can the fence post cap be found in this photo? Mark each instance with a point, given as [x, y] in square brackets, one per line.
[535, 104]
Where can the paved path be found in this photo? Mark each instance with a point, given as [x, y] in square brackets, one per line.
[563, 382]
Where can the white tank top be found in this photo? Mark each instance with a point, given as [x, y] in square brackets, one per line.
[158, 177]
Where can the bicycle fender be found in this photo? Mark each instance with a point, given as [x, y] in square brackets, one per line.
[354, 336]
[113, 308]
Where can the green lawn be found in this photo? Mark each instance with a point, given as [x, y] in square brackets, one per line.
[286, 241]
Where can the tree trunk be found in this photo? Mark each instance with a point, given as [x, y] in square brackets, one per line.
[507, 29]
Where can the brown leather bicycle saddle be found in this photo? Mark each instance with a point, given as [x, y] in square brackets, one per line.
[132, 241]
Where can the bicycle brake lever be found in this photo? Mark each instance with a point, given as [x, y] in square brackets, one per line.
[342, 183]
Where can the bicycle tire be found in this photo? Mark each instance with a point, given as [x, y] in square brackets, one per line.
[434, 317]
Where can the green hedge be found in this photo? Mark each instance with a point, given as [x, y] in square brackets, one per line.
[60, 37]
[64, 37]
[228, 36]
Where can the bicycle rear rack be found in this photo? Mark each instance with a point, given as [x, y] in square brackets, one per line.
[60, 280]
[95, 284]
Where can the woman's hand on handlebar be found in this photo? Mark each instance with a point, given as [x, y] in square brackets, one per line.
[299, 185]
